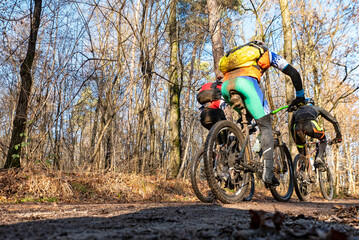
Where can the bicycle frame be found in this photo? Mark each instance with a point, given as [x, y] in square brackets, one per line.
[309, 153]
[237, 102]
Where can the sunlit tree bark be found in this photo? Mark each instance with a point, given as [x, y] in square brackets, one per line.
[287, 35]
[174, 94]
[216, 33]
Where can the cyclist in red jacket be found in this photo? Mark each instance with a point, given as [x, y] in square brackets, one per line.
[213, 106]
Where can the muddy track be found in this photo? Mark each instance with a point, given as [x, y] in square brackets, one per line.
[249, 220]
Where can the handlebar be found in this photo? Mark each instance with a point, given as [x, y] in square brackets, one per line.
[330, 142]
[279, 109]
[333, 141]
[290, 109]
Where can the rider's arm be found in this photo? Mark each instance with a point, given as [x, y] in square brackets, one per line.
[280, 63]
[326, 115]
[296, 79]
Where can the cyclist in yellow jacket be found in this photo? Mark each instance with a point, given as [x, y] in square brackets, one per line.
[242, 68]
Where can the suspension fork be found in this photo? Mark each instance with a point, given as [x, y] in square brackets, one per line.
[279, 143]
[237, 102]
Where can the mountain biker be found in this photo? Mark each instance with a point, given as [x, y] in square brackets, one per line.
[304, 122]
[213, 105]
[242, 68]
[214, 108]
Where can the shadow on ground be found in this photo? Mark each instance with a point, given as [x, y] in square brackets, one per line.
[191, 221]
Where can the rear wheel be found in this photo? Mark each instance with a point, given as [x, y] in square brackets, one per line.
[326, 183]
[283, 171]
[301, 178]
[198, 178]
[222, 148]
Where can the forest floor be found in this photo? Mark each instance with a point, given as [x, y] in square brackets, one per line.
[28, 213]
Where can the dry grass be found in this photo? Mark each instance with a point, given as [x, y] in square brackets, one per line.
[45, 185]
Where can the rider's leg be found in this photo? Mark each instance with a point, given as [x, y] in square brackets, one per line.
[320, 135]
[250, 91]
[254, 101]
[265, 126]
[299, 138]
[313, 130]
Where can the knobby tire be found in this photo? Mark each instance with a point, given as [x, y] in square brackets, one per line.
[283, 170]
[301, 185]
[326, 183]
[224, 141]
[198, 178]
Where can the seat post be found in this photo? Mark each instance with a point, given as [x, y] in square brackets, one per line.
[237, 102]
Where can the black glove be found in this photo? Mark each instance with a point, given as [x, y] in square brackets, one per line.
[297, 102]
[338, 138]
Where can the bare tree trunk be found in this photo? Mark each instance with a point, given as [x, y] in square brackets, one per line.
[174, 95]
[19, 125]
[287, 34]
[216, 34]
[349, 169]
[180, 173]
[336, 169]
[58, 127]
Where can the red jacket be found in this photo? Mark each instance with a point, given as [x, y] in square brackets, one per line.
[212, 104]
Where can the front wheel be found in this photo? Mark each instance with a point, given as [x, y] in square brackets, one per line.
[223, 145]
[302, 184]
[326, 183]
[198, 178]
[283, 171]
[250, 189]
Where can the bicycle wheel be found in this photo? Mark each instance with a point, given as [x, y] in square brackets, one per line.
[198, 178]
[301, 178]
[326, 183]
[222, 148]
[283, 170]
[248, 195]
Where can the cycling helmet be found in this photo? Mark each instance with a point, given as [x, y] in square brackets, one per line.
[219, 76]
[309, 101]
[260, 44]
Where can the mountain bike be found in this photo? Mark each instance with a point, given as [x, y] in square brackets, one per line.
[229, 162]
[306, 174]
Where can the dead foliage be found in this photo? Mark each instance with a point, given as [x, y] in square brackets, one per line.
[41, 184]
[263, 224]
[347, 214]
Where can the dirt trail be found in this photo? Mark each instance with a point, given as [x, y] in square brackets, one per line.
[296, 220]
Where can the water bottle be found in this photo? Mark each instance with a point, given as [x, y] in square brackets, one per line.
[312, 163]
[257, 145]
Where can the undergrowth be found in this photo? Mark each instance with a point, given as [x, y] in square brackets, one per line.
[46, 185]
